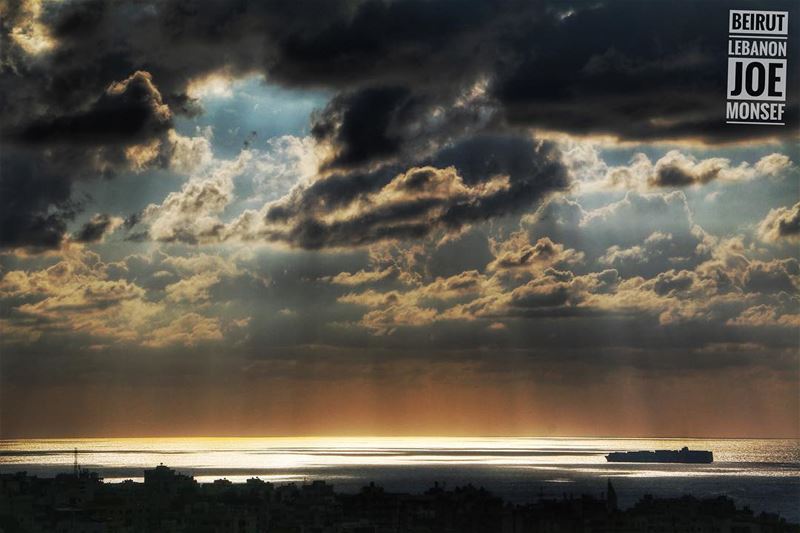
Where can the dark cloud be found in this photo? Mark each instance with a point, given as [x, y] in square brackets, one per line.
[410, 77]
[541, 295]
[640, 71]
[671, 281]
[376, 125]
[360, 124]
[48, 154]
[79, 19]
[72, 109]
[387, 42]
[782, 223]
[533, 168]
[581, 69]
[676, 176]
[589, 70]
[35, 202]
[127, 112]
[96, 228]
[771, 277]
[481, 178]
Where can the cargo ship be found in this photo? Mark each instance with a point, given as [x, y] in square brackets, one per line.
[684, 455]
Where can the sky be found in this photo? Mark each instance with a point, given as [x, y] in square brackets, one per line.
[409, 217]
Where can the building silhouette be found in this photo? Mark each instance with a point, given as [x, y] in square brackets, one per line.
[168, 501]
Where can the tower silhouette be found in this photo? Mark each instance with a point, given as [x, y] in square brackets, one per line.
[611, 497]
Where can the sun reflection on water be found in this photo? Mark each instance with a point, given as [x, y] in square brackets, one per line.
[282, 458]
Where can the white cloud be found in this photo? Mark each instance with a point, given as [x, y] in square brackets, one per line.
[673, 169]
[781, 223]
[192, 214]
[287, 161]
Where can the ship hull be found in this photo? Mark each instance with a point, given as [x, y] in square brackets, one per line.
[662, 456]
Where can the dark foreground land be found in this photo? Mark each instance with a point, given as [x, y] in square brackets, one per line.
[171, 502]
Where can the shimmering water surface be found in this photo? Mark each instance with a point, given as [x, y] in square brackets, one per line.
[764, 474]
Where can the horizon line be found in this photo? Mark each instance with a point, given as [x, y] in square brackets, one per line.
[397, 436]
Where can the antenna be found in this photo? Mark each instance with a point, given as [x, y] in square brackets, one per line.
[75, 468]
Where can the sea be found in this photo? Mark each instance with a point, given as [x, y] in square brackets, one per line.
[762, 474]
